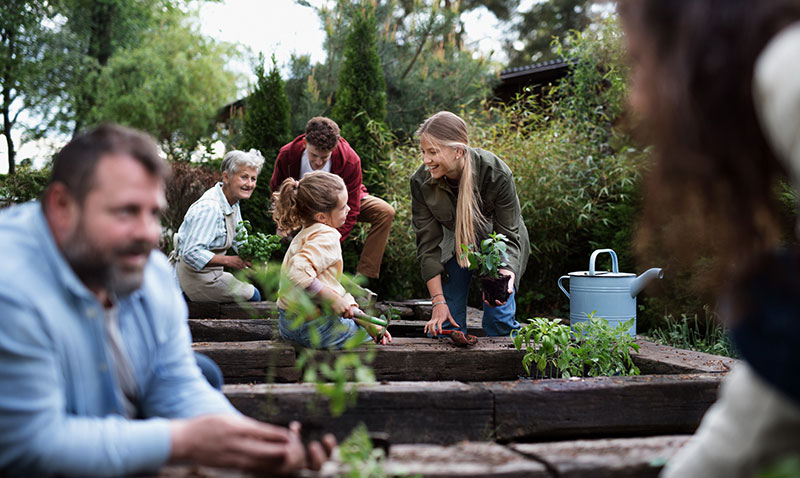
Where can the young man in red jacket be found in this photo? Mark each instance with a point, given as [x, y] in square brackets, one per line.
[321, 148]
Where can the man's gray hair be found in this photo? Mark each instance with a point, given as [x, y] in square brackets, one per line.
[237, 159]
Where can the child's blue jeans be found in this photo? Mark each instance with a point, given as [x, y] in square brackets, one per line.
[497, 321]
[333, 331]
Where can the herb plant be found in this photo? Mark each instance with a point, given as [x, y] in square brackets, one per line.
[592, 349]
[256, 247]
[360, 459]
[491, 257]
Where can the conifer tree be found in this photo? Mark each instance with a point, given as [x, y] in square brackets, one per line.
[266, 128]
[266, 118]
[360, 107]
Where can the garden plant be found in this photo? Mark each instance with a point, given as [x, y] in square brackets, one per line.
[590, 349]
[256, 247]
[488, 261]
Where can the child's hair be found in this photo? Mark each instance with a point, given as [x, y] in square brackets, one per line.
[449, 130]
[296, 202]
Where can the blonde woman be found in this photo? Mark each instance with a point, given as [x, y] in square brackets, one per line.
[459, 195]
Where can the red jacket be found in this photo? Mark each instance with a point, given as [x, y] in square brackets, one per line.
[344, 163]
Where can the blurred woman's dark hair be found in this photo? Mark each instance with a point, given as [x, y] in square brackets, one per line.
[711, 190]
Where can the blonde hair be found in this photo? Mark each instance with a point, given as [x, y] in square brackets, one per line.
[448, 130]
[296, 202]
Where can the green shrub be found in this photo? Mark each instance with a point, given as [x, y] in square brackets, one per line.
[24, 185]
[576, 175]
[360, 107]
[266, 119]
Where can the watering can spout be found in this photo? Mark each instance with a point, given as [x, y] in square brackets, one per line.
[640, 282]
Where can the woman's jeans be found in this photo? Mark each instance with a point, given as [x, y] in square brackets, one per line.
[497, 321]
[333, 332]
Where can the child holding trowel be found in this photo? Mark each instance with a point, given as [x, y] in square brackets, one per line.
[318, 204]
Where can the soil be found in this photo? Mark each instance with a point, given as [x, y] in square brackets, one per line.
[495, 289]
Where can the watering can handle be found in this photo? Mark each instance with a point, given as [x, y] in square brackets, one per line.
[614, 263]
[560, 286]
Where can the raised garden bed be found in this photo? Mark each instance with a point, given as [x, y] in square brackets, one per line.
[470, 408]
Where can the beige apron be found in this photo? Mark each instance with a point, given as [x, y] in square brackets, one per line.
[212, 284]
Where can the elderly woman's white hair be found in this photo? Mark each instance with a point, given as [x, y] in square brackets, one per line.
[237, 159]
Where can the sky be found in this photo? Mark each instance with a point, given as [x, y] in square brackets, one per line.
[281, 27]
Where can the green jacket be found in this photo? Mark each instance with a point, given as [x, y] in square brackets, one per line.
[433, 210]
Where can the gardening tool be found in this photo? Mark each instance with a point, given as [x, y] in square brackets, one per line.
[360, 315]
[610, 295]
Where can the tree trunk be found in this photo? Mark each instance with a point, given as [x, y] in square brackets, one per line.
[10, 145]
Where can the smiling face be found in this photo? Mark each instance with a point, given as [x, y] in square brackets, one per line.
[239, 185]
[111, 234]
[317, 157]
[441, 160]
[336, 216]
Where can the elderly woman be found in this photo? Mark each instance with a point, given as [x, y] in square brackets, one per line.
[208, 232]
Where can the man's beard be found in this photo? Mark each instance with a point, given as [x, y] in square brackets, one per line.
[101, 269]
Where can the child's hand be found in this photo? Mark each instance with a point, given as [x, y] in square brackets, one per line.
[342, 307]
[386, 339]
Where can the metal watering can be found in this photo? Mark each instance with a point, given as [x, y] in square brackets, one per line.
[611, 295]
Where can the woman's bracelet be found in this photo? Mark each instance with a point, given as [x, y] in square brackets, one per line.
[436, 295]
[437, 303]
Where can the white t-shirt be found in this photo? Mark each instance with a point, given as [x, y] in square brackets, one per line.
[305, 165]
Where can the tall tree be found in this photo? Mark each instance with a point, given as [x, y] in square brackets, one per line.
[541, 24]
[426, 65]
[360, 107]
[25, 62]
[267, 113]
[266, 128]
[170, 85]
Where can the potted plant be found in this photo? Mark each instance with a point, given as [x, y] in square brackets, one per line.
[488, 261]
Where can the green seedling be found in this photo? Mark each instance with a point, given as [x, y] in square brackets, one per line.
[491, 257]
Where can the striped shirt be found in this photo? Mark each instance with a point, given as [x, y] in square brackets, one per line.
[203, 228]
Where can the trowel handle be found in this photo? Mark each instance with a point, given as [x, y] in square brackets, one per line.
[614, 263]
[560, 286]
[368, 318]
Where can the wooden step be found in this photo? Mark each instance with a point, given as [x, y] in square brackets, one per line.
[213, 322]
[601, 458]
[535, 410]
[493, 358]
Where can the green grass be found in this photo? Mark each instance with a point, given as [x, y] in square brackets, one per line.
[691, 333]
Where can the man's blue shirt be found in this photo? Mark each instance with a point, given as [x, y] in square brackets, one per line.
[59, 412]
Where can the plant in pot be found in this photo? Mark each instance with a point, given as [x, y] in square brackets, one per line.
[488, 260]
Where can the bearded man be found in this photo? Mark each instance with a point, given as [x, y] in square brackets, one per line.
[97, 375]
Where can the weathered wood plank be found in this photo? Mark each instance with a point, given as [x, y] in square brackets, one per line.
[233, 330]
[256, 361]
[602, 406]
[606, 458]
[493, 358]
[603, 458]
[462, 460]
[658, 359]
[447, 412]
[429, 412]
